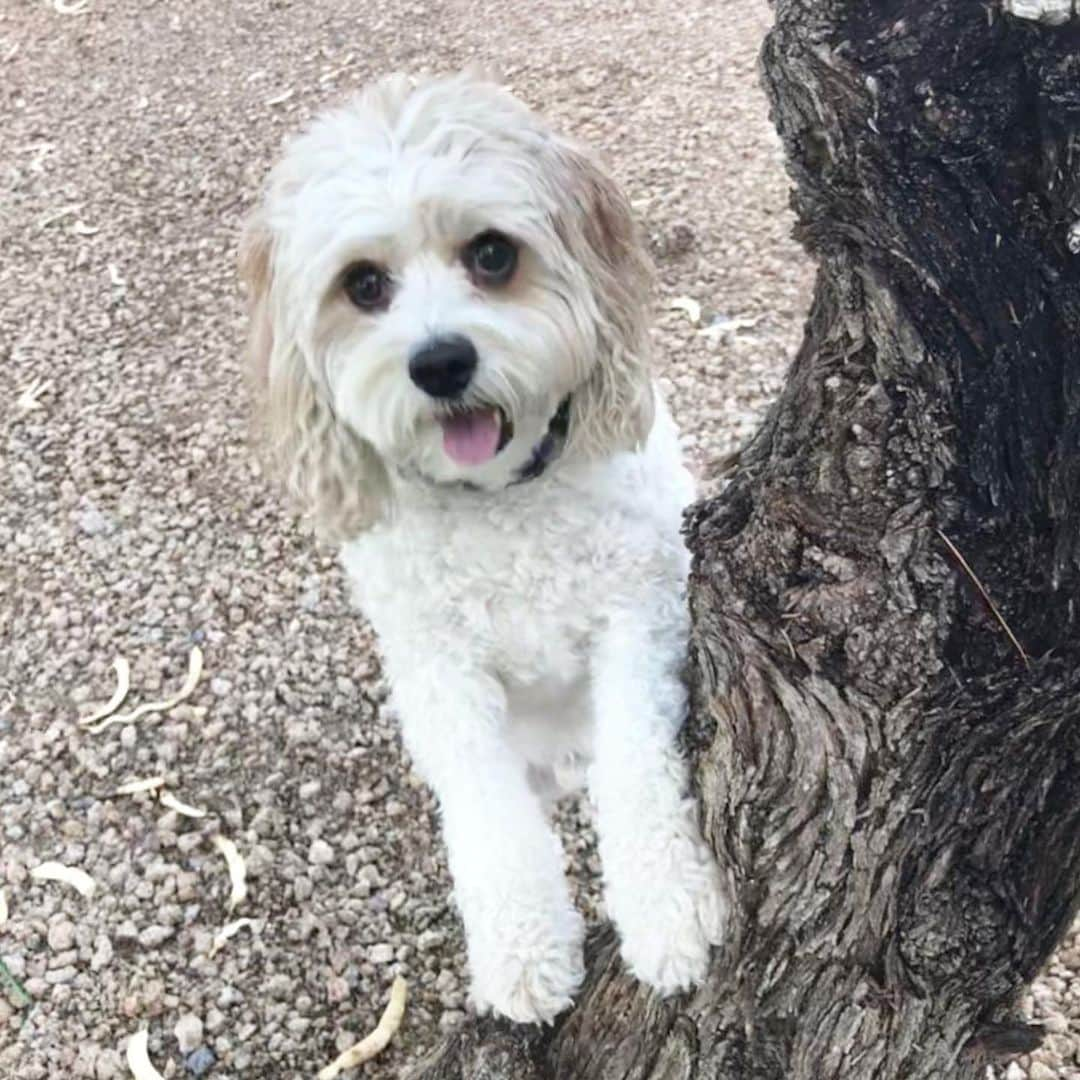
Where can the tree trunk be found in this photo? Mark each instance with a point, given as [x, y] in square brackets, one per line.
[886, 668]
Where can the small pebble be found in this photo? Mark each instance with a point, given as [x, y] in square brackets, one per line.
[152, 936]
[320, 853]
[337, 989]
[61, 936]
[381, 954]
[188, 1032]
[200, 1062]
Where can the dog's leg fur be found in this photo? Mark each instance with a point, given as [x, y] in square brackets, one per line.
[660, 880]
[524, 935]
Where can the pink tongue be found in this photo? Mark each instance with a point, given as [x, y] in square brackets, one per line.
[471, 438]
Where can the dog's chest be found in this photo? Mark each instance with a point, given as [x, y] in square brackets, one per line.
[528, 595]
[523, 593]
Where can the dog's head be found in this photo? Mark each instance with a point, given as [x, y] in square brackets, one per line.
[432, 273]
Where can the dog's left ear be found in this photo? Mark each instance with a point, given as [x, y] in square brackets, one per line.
[254, 267]
[614, 410]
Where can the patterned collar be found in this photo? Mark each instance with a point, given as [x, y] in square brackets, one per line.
[549, 447]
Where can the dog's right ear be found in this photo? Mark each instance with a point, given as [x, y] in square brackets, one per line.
[338, 478]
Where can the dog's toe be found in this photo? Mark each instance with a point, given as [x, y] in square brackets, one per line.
[666, 934]
[532, 977]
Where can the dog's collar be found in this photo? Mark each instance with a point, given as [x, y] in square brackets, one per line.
[549, 447]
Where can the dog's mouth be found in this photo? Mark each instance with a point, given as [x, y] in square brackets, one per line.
[475, 436]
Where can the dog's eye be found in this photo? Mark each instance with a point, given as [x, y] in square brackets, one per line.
[491, 258]
[367, 285]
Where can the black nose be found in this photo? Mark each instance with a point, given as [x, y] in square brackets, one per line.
[443, 367]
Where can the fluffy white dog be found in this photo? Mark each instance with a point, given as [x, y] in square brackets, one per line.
[449, 332]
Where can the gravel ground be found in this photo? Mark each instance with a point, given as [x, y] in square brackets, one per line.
[135, 135]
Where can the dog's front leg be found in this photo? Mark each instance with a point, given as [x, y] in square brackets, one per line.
[523, 934]
[661, 883]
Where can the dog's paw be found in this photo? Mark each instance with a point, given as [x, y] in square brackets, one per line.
[530, 972]
[669, 921]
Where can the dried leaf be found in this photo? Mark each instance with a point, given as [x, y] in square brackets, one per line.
[68, 875]
[123, 684]
[237, 869]
[136, 787]
[114, 277]
[721, 325]
[195, 664]
[377, 1041]
[281, 98]
[138, 1057]
[28, 399]
[71, 7]
[227, 931]
[80, 228]
[59, 215]
[171, 802]
[689, 305]
[3, 907]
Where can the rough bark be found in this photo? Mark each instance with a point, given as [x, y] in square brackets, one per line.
[886, 720]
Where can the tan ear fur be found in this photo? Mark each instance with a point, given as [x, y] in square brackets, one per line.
[615, 408]
[337, 477]
[254, 266]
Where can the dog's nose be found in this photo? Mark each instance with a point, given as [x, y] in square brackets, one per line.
[443, 368]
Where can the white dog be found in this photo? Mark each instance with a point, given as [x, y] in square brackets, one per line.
[449, 330]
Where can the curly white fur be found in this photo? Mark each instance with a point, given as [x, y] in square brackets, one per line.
[532, 632]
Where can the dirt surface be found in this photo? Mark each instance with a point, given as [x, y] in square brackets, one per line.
[134, 137]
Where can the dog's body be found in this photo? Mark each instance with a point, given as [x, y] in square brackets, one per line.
[460, 385]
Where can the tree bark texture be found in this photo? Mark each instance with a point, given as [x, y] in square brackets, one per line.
[886, 716]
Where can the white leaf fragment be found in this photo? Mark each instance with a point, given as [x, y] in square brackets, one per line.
[28, 399]
[80, 228]
[3, 907]
[78, 879]
[227, 931]
[280, 99]
[136, 787]
[114, 277]
[237, 869]
[721, 326]
[689, 305]
[195, 665]
[1052, 12]
[171, 802]
[377, 1041]
[59, 215]
[123, 685]
[138, 1057]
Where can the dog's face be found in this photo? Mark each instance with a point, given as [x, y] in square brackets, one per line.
[433, 272]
